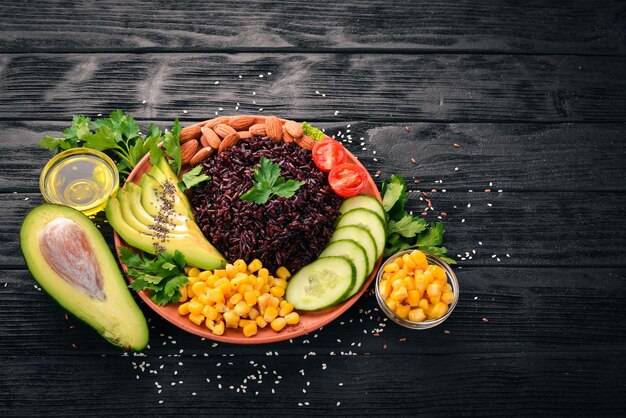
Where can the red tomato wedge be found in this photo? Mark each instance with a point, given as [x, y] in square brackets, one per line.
[347, 180]
[327, 154]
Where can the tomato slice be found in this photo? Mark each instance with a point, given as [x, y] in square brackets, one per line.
[328, 153]
[347, 180]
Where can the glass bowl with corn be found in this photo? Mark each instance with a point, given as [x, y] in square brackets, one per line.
[416, 289]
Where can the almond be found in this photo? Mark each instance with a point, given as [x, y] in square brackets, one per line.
[202, 154]
[294, 129]
[212, 123]
[223, 130]
[287, 138]
[190, 132]
[210, 138]
[257, 129]
[187, 151]
[273, 128]
[228, 142]
[305, 142]
[245, 134]
[241, 123]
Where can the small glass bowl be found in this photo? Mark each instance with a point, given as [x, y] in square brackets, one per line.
[432, 259]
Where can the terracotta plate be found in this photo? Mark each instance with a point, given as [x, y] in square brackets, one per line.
[309, 321]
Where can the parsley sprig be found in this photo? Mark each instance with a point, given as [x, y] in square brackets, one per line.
[268, 183]
[405, 231]
[192, 178]
[162, 275]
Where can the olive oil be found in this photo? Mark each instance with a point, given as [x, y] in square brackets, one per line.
[80, 178]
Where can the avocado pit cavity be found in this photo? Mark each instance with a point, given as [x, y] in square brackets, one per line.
[67, 250]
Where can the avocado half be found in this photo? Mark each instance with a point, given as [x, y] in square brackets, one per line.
[69, 258]
[155, 216]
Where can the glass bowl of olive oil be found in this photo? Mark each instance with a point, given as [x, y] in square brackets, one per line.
[81, 178]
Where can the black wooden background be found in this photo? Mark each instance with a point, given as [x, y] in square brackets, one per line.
[534, 95]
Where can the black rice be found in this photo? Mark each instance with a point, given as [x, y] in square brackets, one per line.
[282, 232]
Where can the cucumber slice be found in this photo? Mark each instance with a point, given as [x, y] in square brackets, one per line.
[363, 237]
[369, 220]
[356, 254]
[364, 201]
[320, 284]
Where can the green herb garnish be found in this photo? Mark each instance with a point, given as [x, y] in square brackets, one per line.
[162, 275]
[314, 133]
[192, 178]
[405, 231]
[268, 183]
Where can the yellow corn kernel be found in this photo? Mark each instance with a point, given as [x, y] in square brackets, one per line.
[283, 273]
[210, 313]
[429, 276]
[409, 283]
[384, 288]
[210, 281]
[220, 273]
[230, 273]
[413, 298]
[446, 288]
[278, 324]
[265, 288]
[183, 309]
[408, 262]
[190, 293]
[242, 308]
[236, 298]
[231, 319]
[183, 294]
[220, 307]
[417, 315]
[277, 291]
[399, 262]
[226, 289]
[203, 299]
[391, 268]
[439, 310]
[253, 313]
[403, 311]
[263, 300]
[221, 281]
[195, 307]
[262, 323]
[259, 282]
[399, 294]
[292, 318]
[205, 274]
[399, 275]
[419, 258]
[193, 272]
[245, 287]
[216, 295]
[244, 322]
[255, 265]
[438, 272]
[218, 328]
[250, 330]
[423, 304]
[198, 288]
[270, 313]
[447, 298]
[387, 276]
[250, 297]
[196, 318]
[264, 273]
[391, 303]
[240, 265]
[434, 292]
[279, 283]
[285, 308]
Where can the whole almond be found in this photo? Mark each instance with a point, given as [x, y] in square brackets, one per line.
[287, 138]
[223, 130]
[257, 129]
[273, 128]
[212, 123]
[190, 132]
[187, 151]
[241, 123]
[294, 129]
[244, 134]
[305, 142]
[202, 154]
[210, 138]
[228, 142]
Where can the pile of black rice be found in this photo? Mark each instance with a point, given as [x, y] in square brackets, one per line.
[288, 232]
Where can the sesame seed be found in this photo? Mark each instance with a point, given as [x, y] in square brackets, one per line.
[217, 82]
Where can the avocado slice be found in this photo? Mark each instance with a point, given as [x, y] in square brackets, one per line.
[162, 172]
[69, 258]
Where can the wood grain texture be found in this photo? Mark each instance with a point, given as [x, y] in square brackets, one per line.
[535, 229]
[529, 310]
[436, 87]
[470, 25]
[513, 157]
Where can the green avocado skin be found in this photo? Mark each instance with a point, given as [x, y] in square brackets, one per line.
[110, 309]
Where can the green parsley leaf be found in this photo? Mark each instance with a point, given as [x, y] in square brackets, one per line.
[394, 196]
[268, 183]
[407, 227]
[192, 178]
[314, 133]
[171, 143]
[433, 236]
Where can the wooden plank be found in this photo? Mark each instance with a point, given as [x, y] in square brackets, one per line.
[474, 25]
[529, 310]
[457, 385]
[520, 157]
[535, 229]
[437, 87]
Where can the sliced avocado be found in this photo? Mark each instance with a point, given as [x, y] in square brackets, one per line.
[136, 216]
[159, 197]
[69, 258]
[162, 172]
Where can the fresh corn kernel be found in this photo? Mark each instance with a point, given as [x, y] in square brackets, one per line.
[285, 309]
[391, 303]
[413, 298]
[240, 265]
[193, 272]
[439, 310]
[195, 308]
[419, 258]
[391, 268]
[183, 294]
[399, 262]
[262, 323]
[210, 281]
[216, 295]
[253, 313]
[190, 293]
[283, 273]
[446, 288]
[265, 288]
[259, 282]
[255, 265]
[250, 330]
[417, 315]
[220, 307]
[242, 308]
[220, 273]
[409, 283]
[399, 294]
[244, 288]
[403, 311]
[196, 318]
[205, 274]
[279, 283]
[434, 293]
[210, 313]
[278, 324]
[384, 288]
[408, 262]
[218, 328]
[270, 313]
[198, 288]
[387, 276]
[397, 284]
[203, 299]
[183, 309]
[447, 298]
[423, 304]
[292, 318]
[236, 298]
[277, 291]
[250, 297]
[438, 272]
[231, 319]
[264, 300]
[264, 273]
[244, 322]
[231, 271]
[399, 275]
